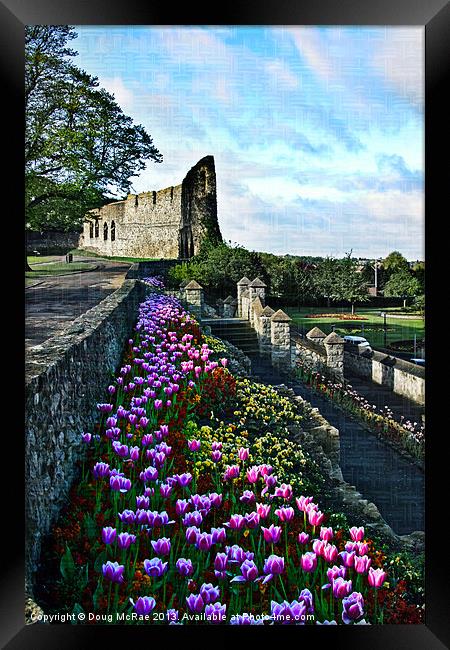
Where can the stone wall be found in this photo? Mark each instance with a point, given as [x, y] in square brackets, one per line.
[400, 376]
[169, 223]
[66, 377]
[310, 354]
[51, 242]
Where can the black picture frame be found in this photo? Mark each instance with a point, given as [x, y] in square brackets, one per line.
[433, 15]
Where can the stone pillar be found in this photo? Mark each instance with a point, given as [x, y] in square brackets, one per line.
[316, 335]
[265, 347]
[334, 347]
[256, 289]
[256, 310]
[183, 286]
[229, 307]
[280, 338]
[242, 286]
[194, 298]
[245, 305]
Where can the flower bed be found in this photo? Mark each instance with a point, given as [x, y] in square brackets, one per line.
[191, 505]
[338, 316]
[409, 435]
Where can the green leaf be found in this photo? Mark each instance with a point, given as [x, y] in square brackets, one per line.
[101, 559]
[67, 564]
[98, 593]
[91, 527]
[77, 609]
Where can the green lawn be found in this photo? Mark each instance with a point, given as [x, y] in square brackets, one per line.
[132, 260]
[372, 328]
[58, 268]
[42, 259]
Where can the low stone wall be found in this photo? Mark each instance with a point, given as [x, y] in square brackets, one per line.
[52, 242]
[66, 377]
[161, 267]
[312, 355]
[397, 375]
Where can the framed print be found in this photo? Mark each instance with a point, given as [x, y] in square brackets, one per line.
[226, 222]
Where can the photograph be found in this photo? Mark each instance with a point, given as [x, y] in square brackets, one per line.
[224, 319]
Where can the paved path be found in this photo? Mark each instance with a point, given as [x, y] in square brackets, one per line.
[56, 301]
[383, 476]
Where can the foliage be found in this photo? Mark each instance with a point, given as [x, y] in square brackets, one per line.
[394, 263]
[402, 284]
[80, 148]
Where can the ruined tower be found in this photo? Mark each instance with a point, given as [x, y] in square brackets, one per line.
[169, 223]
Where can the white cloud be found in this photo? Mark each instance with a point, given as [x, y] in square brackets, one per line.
[124, 96]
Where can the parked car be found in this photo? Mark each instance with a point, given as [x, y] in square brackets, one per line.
[418, 362]
[358, 344]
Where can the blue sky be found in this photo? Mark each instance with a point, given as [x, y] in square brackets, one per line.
[317, 132]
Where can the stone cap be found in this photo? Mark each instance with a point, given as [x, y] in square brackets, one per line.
[184, 284]
[244, 281]
[228, 301]
[280, 317]
[193, 285]
[257, 283]
[267, 311]
[257, 306]
[315, 333]
[234, 301]
[245, 293]
[333, 339]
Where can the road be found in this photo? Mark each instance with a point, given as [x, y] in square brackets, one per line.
[55, 302]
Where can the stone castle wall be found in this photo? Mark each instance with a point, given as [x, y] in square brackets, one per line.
[169, 223]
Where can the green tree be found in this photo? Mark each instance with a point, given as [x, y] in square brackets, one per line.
[325, 279]
[394, 263]
[80, 148]
[402, 285]
[349, 283]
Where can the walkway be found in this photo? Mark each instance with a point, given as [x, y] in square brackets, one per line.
[395, 485]
[56, 301]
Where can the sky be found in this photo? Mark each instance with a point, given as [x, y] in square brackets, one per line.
[317, 132]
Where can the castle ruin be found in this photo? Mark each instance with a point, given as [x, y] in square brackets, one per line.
[169, 223]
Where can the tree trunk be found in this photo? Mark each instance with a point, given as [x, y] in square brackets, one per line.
[404, 303]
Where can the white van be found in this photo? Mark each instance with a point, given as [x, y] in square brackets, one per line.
[358, 344]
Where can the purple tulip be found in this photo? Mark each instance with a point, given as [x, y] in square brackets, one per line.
[181, 507]
[247, 497]
[184, 567]
[158, 404]
[249, 572]
[195, 603]
[192, 518]
[308, 562]
[165, 490]
[347, 558]
[119, 483]
[204, 541]
[237, 522]
[288, 613]
[155, 568]
[303, 538]
[127, 517]
[184, 479]
[341, 587]
[161, 546]
[271, 534]
[357, 534]
[109, 535]
[376, 577]
[306, 598]
[86, 437]
[216, 446]
[330, 552]
[273, 565]
[326, 533]
[263, 510]
[231, 473]
[315, 517]
[253, 474]
[336, 572]
[243, 453]
[191, 534]
[209, 593]
[216, 499]
[113, 571]
[194, 445]
[252, 520]
[302, 502]
[220, 565]
[245, 619]
[353, 607]
[285, 514]
[124, 540]
[237, 554]
[361, 563]
[216, 613]
[144, 605]
[216, 456]
[100, 470]
[284, 491]
[219, 535]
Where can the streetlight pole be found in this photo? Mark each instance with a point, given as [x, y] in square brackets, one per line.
[384, 319]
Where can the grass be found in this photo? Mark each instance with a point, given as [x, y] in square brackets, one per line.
[58, 268]
[132, 260]
[38, 259]
[372, 329]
